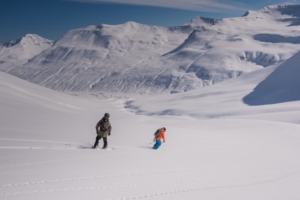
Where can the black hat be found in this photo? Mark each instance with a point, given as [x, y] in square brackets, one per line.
[106, 115]
[165, 128]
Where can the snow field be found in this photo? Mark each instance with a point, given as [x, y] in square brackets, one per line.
[43, 132]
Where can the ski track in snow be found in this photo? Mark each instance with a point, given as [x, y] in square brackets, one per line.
[200, 189]
[279, 177]
[43, 162]
[48, 170]
[116, 176]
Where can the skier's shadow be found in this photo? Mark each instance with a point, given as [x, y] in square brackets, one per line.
[146, 147]
[87, 146]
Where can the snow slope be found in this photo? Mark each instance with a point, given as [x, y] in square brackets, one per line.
[136, 58]
[18, 52]
[251, 154]
[280, 86]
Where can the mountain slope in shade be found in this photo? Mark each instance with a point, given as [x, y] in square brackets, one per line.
[270, 93]
[18, 52]
[136, 58]
[280, 86]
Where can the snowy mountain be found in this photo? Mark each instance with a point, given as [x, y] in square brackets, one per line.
[18, 52]
[199, 21]
[136, 58]
[85, 59]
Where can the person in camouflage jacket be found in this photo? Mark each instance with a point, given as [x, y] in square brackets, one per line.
[103, 129]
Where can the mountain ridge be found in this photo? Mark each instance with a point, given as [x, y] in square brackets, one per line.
[138, 58]
[18, 52]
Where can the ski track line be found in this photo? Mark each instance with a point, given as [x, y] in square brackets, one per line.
[97, 177]
[36, 153]
[142, 185]
[42, 162]
[40, 173]
[106, 176]
[46, 170]
[45, 141]
[46, 148]
[157, 194]
[26, 148]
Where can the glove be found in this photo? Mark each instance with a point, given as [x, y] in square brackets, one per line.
[109, 134]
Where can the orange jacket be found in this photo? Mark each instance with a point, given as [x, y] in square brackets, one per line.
[161, 135]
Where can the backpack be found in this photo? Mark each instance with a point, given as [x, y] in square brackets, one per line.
[104, 125]
[157, 133]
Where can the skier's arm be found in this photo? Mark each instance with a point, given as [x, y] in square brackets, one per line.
[109, 128]
[163, 136]
[97, 126]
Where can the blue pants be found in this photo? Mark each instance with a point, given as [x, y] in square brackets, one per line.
[157, 144]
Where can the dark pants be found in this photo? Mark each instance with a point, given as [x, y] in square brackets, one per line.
[97, 141]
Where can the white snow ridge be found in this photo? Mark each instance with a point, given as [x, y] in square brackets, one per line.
[18, 52]
[237, 139]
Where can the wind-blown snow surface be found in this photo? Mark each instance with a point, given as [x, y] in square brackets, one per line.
[136, 58]
[18, 52]
[43, 135]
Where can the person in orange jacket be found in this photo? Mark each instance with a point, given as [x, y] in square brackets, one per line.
[158, 135]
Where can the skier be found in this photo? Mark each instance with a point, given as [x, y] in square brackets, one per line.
[103, 129]
[158, 135]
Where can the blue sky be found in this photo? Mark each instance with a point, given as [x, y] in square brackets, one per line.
[52, 18]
